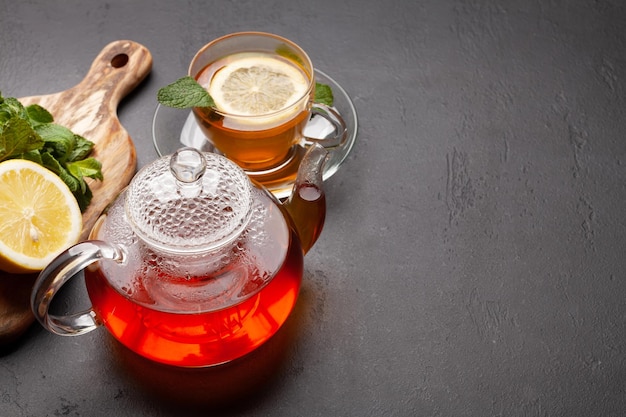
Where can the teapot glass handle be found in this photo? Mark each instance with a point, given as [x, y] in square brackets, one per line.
[338, 137]
[56, 274]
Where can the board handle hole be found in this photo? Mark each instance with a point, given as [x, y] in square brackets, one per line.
[119, 60]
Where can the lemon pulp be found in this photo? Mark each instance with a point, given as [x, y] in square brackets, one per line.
[39, 216]
[256, 84]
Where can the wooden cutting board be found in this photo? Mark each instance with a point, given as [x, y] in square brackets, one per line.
[90, 110]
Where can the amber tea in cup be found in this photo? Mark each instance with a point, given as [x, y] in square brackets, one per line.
[263, 86]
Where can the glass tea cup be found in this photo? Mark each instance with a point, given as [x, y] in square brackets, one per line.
[263, 86]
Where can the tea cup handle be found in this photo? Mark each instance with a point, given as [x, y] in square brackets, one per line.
[335, 139]
[56, 274]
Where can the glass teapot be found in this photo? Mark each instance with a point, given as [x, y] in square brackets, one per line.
[193, 264]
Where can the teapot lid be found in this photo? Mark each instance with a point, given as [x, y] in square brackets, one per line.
[189, 202]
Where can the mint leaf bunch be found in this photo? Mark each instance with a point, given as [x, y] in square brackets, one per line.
[186, 93]
[29, 132]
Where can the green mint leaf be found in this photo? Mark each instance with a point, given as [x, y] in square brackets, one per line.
[34, 156]
[38, 115]
[84, 198]
[10, 108]
[89, 167]
[324, 94]
[18, 137]
[51, 132]
[77, 186]
[185, 93]
[82, 149]
[60, 141]
[5, 115]
[49, 161]
[63, 143]
[287, 52]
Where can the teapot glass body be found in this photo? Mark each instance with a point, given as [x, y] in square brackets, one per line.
[198, 307]
[160, 308]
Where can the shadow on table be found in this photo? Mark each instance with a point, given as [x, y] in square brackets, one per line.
[229, 388]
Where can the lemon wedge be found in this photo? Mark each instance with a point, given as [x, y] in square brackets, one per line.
[256, 85]
[39, 216]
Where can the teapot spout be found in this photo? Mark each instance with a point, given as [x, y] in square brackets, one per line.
[307, 203]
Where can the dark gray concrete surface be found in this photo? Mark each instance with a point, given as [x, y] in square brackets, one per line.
[472, 262]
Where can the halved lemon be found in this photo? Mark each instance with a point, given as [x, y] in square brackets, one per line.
[257, 84]
[39, 216]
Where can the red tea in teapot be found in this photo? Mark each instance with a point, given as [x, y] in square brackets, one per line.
[170, 315]
[192, 265]
[195, 339]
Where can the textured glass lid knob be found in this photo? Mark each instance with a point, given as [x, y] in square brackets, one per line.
[188, 165]
[189, 201]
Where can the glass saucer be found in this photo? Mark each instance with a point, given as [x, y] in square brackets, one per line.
[175, 128]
